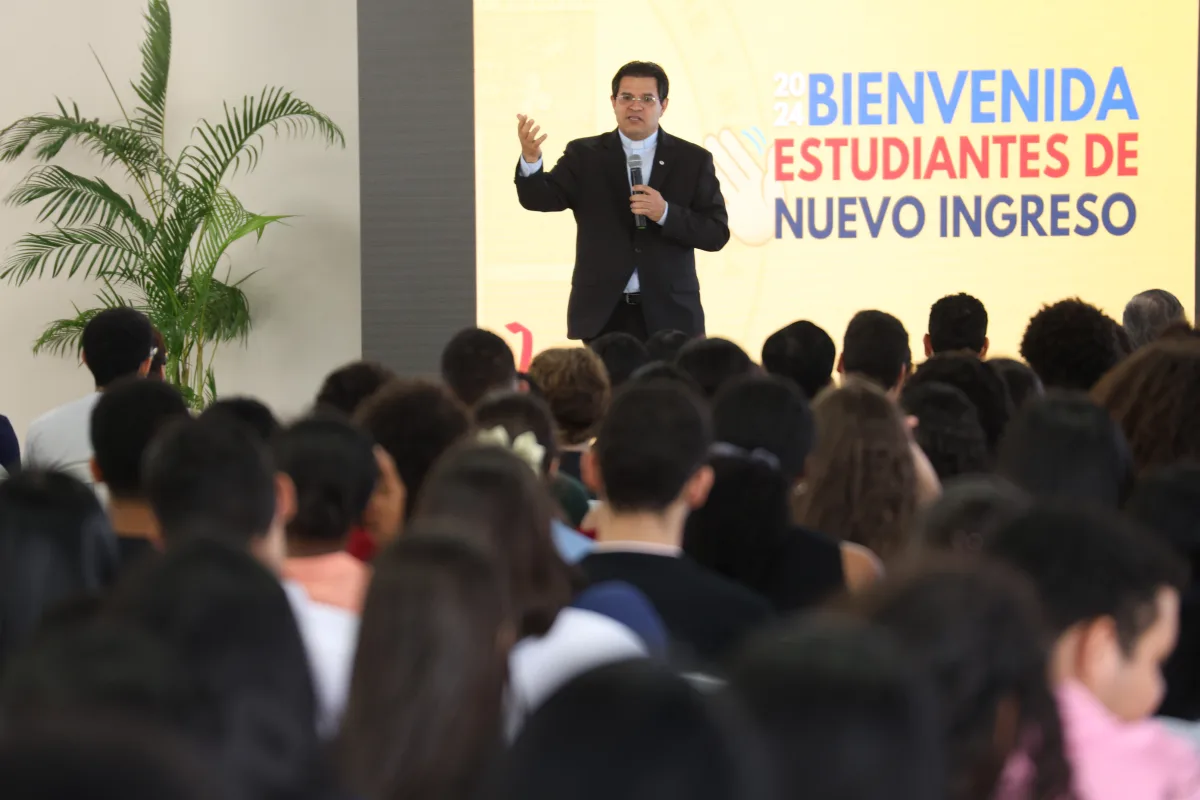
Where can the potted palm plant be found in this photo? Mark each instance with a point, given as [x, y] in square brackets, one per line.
[163, 249]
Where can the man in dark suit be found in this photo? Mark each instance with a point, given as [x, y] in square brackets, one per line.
[627, 279]
[650, 463]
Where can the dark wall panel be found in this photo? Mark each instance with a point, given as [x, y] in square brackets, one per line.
[417, 122]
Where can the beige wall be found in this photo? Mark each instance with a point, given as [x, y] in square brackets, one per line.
[306, 300]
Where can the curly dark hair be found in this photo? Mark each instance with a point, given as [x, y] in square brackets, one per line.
[574, 382]
[1153, 395]
[1071, 344]
[861, 481]
[982, 385]
[976, 628]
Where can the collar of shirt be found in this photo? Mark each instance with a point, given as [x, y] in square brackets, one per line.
[646, 548]
[649, 143]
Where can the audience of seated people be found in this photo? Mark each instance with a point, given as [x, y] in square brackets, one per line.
[401, 593]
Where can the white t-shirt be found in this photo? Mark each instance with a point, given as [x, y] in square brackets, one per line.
[330, 636]
[62, 439]
[578, 642]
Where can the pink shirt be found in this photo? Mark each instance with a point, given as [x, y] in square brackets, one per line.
[336, 579]
[1116, 760]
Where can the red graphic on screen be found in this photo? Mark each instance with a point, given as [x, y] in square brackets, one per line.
[526, 354]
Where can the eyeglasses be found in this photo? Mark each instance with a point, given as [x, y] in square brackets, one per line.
[625, 98]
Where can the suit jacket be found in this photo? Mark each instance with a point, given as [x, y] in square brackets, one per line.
[591, 180]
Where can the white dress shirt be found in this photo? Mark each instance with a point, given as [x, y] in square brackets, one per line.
[61, 439]
[645, 149]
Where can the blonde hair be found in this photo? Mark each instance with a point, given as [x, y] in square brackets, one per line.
[575, 384]
[861, 482]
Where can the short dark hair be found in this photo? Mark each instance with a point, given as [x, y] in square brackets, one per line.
[518, 413]
[116, 342]
[475, 362]
[969, 510]
[802, 352]
[332, 464]
[1022, 382]
[979, 382]
[126, 418]
[843, 710]
[1150, 313]
[1064, 446]
[948, 428]
[764, 412]
[210, 478]
[655, 438]
[713, 363]
[346, 388]
[574, 382]
[877, 347]
[622, 353]
[1071, 344]
[642, 69]
[665, 345]
[976, 628]
[1088, 565]
[958, 322]
[415, 421]
[504, 506]
[254, 414]
[57, 545]
[664, 371]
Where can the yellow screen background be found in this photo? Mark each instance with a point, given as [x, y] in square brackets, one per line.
[554, 60]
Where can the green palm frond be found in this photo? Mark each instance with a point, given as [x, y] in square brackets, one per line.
[239, 140]
[225, 313]
[95, 249]
[151, 88]
[72, 199]
[47, 134]
[227, 223]
[62, 337]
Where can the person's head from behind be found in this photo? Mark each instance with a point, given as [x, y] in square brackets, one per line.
[861, 484]
[117, 342]
[652, 452]
[213, 478]
[345, 389]
[649, 735]
[1071, 345]
[1064, 446]
[623, 354]
[57, 546]
[802, 352]
[1111, 596]
[948, 428]
[766, 413]
[106, 757]
[126, 418]
[1022, 383]
[976, 629]
[414, 422]
[228, 622]
[843, 712]
[256, 415]
[876, 347]
[979, 382]
[639, 98]
[574, 383]
[424, 713]
[334, 471]
[518, 414]
[498, 498]
[1150, 313]
[670, 372]
[970, 510]
[475, 362]
[665, 345]
[957, 323]
[1153, 395]
[714, 363]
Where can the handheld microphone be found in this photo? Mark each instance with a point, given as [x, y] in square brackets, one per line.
[635, 176]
